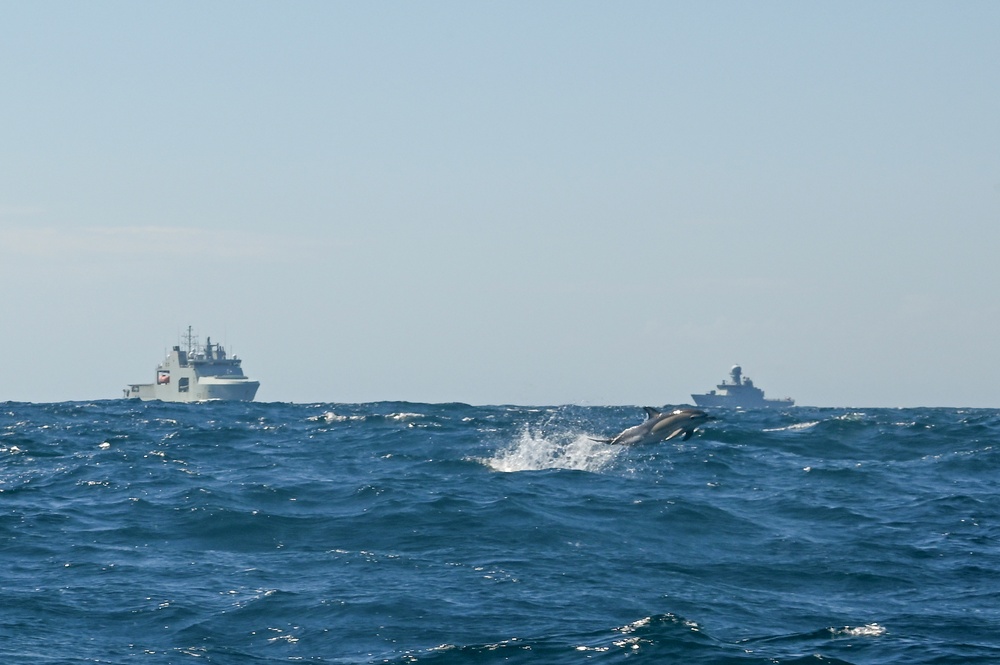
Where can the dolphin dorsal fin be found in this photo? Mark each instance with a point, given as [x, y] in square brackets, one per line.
[650, 412]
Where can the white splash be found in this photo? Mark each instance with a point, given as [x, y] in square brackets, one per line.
[532, 451]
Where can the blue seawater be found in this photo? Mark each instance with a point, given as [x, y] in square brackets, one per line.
[446, 533]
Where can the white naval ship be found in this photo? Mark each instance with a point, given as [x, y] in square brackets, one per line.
[195, 374]
[740, 394]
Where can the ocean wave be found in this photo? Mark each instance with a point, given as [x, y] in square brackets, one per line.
[868, 630]
[796, 427]
[400, 533]
[330, 417]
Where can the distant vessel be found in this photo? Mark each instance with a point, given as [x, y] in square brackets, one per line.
[196, 374]
[741, 393]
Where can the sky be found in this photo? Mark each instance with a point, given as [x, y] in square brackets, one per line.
[536, 203]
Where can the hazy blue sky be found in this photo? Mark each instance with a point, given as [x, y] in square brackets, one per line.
[505, 202]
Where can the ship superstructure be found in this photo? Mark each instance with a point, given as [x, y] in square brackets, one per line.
[740, 392]
[196, 373]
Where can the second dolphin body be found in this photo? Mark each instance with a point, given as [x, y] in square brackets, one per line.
[661, 426]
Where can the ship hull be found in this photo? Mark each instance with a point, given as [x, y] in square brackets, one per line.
[729, 401]
[236, 391]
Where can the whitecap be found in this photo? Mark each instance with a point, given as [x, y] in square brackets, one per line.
[404, 416]
[635, 625]
[794, 428]
[331, 417]
[869, 630]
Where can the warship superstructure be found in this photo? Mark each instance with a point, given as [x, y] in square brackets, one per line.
[739, 393]
[196, 373]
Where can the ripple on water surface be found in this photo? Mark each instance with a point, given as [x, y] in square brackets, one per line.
[399, 532]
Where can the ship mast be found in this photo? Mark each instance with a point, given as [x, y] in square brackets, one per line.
[192, 342]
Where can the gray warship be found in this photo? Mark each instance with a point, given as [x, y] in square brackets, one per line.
[740, 394]
[196, 374]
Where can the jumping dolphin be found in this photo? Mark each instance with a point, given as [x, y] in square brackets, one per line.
[661, 427]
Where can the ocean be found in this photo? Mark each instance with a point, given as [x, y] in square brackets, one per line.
[390, 532]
